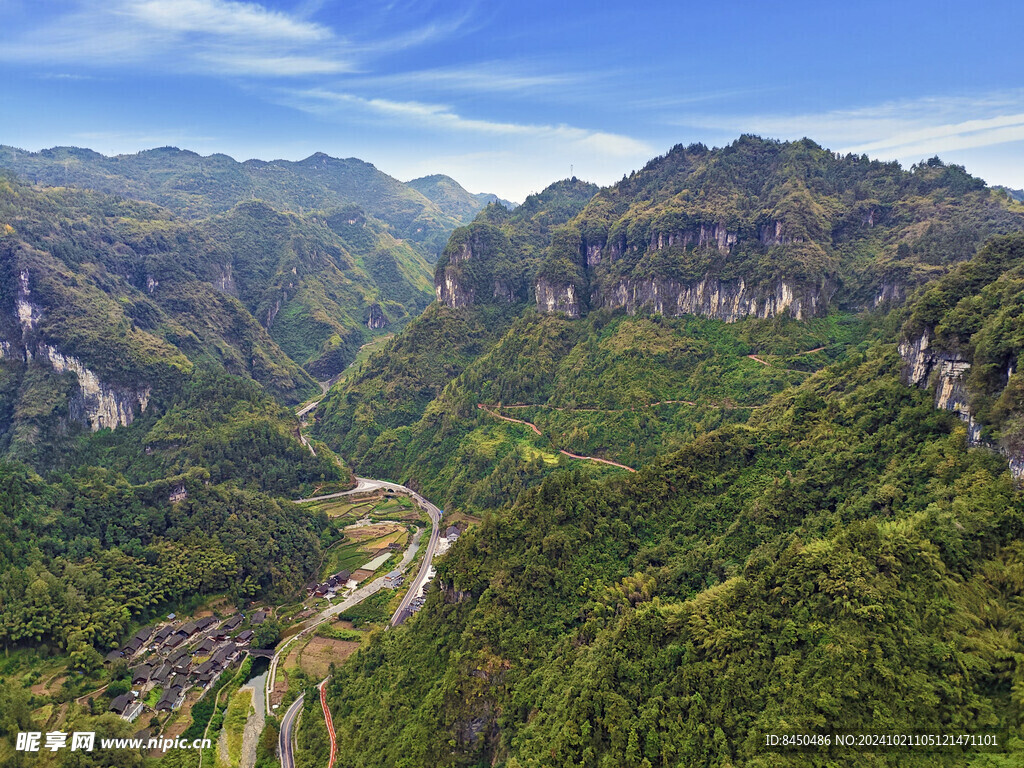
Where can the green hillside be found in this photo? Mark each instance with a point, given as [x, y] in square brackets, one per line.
[452, 198]
[625, 381]
[810, 543]
[786, 575]
[196, 187]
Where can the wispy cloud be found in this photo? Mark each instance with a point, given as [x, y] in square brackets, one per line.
[223, 17]
[484, 77]
[442, 117]
[217, 37]
[906, 129]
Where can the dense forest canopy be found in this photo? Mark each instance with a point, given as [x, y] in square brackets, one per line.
[683, 527]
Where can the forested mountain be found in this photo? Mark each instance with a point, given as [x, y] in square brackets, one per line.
[393, 390]
[624, 374]
[813, 363]
[757, 228]
[160, 313]
[840, 564]
[452, 198]
[740, 440]
[196, 187]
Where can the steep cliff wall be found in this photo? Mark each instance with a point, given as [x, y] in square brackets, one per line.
[728, 300]
[376, 317]
[452, 291]
[557, 297]
[926, 367]
[476, 268]
[97, 403]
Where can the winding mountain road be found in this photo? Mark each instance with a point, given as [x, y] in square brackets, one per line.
[363, 485]
[536, 429]
[329, 721]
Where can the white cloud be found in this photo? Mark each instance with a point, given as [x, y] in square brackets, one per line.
[907, 129]
[442, 117]
[212, 36]
[243, 63]
[950, 137]
[223, 17]
[486, 77]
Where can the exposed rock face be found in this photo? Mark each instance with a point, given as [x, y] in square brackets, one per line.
[504, 291]
[226, 280]
[711, 297]
[451, 292]
[924, 367]
[553, 297]
[890, 292]
[99, 404]
[272, 311]
[376, 318]
[704, 236]
[28, 313]
[449, 288]
[728, 300]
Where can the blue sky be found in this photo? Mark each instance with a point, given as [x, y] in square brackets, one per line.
[507, 97]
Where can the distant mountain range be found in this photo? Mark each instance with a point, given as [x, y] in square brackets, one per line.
[132, 272]
[1016, 194]
[451, 198]
[191, 185]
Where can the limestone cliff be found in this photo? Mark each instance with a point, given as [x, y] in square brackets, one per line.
[926, 367]
[475, 268]
[557, 297]
[728, 300]
[97, 403]
[375, 317]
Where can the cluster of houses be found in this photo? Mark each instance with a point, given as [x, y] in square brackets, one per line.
[331, 586]
[177, 656]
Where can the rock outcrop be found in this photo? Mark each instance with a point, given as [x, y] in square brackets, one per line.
[890, 292]
[710, 296]
[452, 292]
[557, 297]
[97, 403]
[728, 300]
[375, 317]
[450, 289]
[475, 269]
[925, 367]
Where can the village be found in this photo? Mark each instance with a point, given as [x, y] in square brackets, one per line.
[181, 659]
[168, 660]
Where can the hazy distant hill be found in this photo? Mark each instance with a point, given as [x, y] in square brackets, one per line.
[452, 198]
[1016, 194]
[196, 186]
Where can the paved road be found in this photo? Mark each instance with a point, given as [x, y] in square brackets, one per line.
[285, 745]
[365, 485]
[329, 722]
[428, 555]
